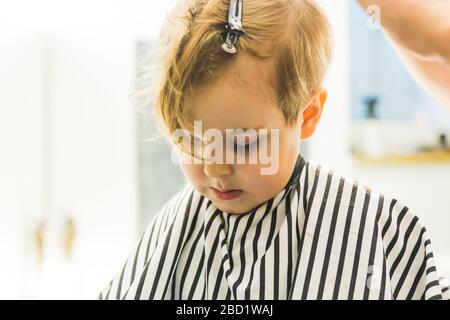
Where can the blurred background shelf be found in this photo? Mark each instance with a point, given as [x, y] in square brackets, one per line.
[425, 158]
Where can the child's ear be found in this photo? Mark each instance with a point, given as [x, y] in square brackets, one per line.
[313, 112]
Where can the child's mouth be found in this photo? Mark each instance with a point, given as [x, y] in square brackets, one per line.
[226, 194]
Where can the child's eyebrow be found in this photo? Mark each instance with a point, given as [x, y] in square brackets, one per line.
[254, 128]
[260, 132]
[237, 132]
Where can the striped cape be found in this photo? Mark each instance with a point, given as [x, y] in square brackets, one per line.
[321, 237]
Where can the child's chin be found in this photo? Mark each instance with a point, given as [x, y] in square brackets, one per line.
[235, 209]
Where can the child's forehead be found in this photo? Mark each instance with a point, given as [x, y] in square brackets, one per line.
[236, 115]
[243, 73]
[242, 97]
[253, 71]
[245, 99]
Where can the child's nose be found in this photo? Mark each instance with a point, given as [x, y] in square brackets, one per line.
[217, 170]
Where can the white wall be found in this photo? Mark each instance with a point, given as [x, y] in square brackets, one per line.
[21, 153]
[93, 152]
[330, 144]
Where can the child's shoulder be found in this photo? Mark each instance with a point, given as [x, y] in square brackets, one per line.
[333, 194]
[375, 229]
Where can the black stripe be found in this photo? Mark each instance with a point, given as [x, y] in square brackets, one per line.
[167, 217]
[404, 245]
[323, 276]
[255, 246]
[197, 277]
[119, 288]
[218, 281]
[119, 285]
[231, 245]
[149, 241]
[431, 269]
[157, 234]
[212, 254]
[362, 225]
[348, 223]
[137, 296]
[194, 220]
[204, 293]
[308, 203]
[189, 260]
[296, 172]
[181, 241]
[383, 278]
[395, 238]
[222, 266]
[297, 227]
[164, 216]
[431, 284]
[289, 239]
[276, 267]
[436, 297]
[410, 262]
[315, 242]
[263, 259]
[109, 289]
[305, 193]
[211, 220]
[383, 233]
[389, 220]
[228, 224]
[373, 246]
[230, 249]
[299, 216]
[242, 253]
[417, 278]
[164, 253]
[133, 271]
[219, 276]
[192, 251]
[262, 278]
[273, 225]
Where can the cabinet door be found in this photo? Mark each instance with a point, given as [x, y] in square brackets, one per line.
[93, 155]
[22, 110]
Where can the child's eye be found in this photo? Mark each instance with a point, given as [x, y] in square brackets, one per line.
[248, 147]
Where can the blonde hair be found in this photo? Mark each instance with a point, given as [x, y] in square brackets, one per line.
[296, 32]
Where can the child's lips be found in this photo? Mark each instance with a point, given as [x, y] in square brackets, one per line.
[226, 194]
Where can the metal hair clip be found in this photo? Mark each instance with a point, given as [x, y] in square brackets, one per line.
[234, 26]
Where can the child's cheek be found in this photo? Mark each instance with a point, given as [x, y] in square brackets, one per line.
[194, 173]
[260, 185]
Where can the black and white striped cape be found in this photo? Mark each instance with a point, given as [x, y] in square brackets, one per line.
[322, 237]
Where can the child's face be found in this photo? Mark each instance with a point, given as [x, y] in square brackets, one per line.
[242, 100]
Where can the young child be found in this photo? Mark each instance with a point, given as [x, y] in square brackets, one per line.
[241, 230]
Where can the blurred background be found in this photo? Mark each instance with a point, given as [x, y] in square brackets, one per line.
[80, 180]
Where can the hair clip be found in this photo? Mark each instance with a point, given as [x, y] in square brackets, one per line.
[234, 26]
